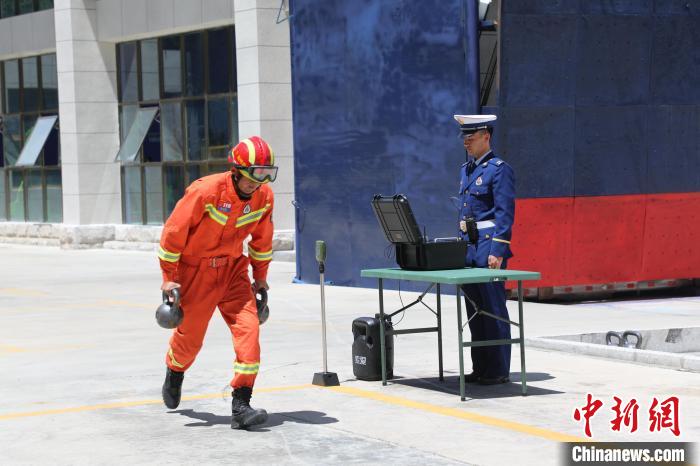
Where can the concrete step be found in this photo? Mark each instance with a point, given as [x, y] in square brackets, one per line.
[33, 241]
[284, 256]
[130, 245]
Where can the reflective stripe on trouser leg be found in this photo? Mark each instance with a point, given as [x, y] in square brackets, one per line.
[245, 331]
[246, 368]
[241, 315]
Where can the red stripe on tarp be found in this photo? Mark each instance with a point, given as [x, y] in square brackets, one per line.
[607, 239]
[541, 238]
[604, 239]
[672, 237]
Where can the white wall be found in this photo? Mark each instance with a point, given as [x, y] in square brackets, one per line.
[84, 33]
[265, 92]
[29, 34]
[88, 115]
[123, 20]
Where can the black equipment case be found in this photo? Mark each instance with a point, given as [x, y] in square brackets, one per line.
[413, 252]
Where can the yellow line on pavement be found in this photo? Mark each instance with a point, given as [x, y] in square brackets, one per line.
[460, 414]
[22, 292]
[11, 349]
[389, 399]
[40, 349]
[126, 404]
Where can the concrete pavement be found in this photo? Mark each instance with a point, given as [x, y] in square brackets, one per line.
[82, 362]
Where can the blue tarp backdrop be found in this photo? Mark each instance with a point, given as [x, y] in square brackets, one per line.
[375, 85]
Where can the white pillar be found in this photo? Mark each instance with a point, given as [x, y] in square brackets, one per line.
[265, 92]
[88, 116]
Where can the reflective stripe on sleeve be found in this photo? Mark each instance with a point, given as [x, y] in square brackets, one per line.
[168, 256]
[258, 255]
[501, 240]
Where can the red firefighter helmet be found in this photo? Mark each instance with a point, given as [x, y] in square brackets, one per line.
[254, 159]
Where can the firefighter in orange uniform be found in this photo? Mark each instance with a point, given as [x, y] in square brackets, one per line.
[201, 252]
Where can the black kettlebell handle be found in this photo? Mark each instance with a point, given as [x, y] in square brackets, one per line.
[175, 294]
[263, 295]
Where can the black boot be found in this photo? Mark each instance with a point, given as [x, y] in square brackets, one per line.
[172, 388]
[243, 415]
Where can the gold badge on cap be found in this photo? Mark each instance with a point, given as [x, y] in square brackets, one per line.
[478, 181]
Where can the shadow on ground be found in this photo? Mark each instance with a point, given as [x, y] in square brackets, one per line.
[476, 391]
[625, 295]
[274, 419]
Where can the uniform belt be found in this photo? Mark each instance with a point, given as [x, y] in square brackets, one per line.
[213, 262]
[485, 224]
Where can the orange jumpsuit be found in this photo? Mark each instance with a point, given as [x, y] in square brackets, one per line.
[201, 248]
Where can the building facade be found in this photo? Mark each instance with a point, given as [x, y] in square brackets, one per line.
[110, 108]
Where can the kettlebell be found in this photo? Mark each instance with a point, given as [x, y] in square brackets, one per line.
[628, 343]
[263, 310]
[169, 315]
[613, 335]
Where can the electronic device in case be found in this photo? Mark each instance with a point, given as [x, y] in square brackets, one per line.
[413, 250]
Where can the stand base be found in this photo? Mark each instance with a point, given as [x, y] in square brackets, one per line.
[326, 379]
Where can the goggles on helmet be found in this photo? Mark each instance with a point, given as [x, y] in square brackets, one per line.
[258, 173]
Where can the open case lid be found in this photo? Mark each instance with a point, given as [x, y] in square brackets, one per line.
[396, 218]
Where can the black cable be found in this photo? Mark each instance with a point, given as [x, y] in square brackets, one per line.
[388, 251]
[403, 313]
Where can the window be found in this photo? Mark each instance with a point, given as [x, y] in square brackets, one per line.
[49, 82]
[30, 84]
[171, 124]
[172, 66]
[25, 6]
[16, 196]
[12, 88]
[151, 143]
[488, 52]
[219, 59]
[196, 139]
[217, 112]
[132, 194]
[30, 166]
[8, 8]
[3, 198]
[128, 77]
[149, 70]
[36, 140]
[19, 7]
[194, 65]
[138, 127]
[12, 139]
[177, 120]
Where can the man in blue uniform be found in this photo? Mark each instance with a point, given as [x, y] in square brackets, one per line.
[487, 193]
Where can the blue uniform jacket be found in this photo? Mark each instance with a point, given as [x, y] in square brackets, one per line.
[488, 193]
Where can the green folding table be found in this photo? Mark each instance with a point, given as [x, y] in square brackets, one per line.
[456, 277]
